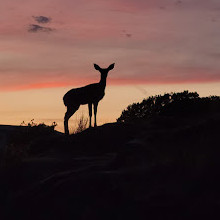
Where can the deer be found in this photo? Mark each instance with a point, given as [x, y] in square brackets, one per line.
[90, 94]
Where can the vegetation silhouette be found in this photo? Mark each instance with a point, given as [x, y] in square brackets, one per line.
[90, 94]
[20, 138]
[81, 124]
[183, 104]
[162, 165]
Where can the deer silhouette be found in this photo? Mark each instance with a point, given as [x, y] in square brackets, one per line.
[90, 94]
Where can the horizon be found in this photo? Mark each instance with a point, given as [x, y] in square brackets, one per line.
[109, 109]
[50, 46]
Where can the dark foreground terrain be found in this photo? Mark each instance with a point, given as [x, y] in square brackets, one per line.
[161, 168]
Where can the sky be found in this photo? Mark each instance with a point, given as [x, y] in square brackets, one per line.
[49, 46]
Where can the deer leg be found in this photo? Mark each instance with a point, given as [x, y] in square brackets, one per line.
[90, 114]
[69, 113]
[95, 112]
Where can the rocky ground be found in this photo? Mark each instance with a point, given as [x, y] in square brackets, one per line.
[161, 168]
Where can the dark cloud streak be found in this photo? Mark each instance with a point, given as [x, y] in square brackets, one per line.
[34, 28]
[126, 33]
[42, 19]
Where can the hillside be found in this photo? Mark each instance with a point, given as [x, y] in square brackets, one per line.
[158, 168]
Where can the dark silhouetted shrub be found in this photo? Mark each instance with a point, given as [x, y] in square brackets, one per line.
[20, 139]
[183, 103]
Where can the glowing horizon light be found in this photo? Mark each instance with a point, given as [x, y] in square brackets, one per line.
[52, 46]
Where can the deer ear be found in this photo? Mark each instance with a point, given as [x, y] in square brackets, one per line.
[96, 67]
[111, 66]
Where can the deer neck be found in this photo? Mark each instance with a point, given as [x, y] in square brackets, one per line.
[102, 82]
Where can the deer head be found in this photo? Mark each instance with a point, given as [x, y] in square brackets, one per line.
[104, 72]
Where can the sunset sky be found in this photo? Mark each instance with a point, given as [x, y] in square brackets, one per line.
[49, 46]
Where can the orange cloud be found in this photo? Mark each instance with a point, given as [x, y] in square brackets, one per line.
[111, 82]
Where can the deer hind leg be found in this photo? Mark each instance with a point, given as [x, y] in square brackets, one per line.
[90, 114]
[70, 111]
[95, 112]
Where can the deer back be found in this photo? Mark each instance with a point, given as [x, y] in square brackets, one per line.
[88, 94]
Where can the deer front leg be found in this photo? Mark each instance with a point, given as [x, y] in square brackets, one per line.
[90, 114]
[95, 112]
[69, 113]
[66, 119]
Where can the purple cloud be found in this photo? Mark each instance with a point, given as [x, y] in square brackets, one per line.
[34, 28]
[42, 19]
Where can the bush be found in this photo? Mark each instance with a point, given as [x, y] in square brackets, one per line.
[39, 128]
[183, 103]
[20, 139]
[81, 124]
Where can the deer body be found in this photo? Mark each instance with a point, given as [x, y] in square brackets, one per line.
[84, 95]
[90, 94]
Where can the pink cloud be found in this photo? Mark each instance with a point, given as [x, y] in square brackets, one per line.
[176, 44]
